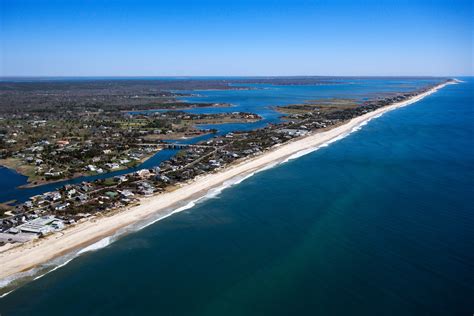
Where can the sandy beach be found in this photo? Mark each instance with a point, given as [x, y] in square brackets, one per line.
[26, 256]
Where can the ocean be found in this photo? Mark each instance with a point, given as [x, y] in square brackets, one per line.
[380, 222]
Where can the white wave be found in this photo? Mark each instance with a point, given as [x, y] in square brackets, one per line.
[7, 281]
[54, 269]
[37, 272]
[179, 209]
[301, 153]
[104, 242]
[5, 294]
[47, 267]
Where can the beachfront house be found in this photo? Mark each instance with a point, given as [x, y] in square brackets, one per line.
[41, 225]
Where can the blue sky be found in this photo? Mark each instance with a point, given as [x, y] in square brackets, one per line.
[188, 38]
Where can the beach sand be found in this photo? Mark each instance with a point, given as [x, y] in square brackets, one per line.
[26, 256]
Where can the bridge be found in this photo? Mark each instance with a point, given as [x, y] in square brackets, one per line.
[183, 146]
[176, 145]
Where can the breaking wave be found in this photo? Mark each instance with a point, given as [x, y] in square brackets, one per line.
[104, 242]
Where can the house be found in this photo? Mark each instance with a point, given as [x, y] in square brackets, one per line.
[163, 178]
[28, 204]
[62, 207]
[122, 178]
[111, 194]
[146, 191]
[82, 198]
[126, 193]
[52, 196]
[53, 173]
[214, 163]
[91, 168]
[293, 132]
[41, 225]
[143, 173]
[71, 193]
[85, 187]
[112, 165]
[62, 143]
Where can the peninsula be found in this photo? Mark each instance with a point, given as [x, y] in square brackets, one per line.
[186, 177]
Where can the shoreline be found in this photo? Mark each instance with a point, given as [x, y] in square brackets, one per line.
[24, 257]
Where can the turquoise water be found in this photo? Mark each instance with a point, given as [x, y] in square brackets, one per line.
[378, 223]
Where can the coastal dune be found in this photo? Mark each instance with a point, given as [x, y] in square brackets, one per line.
[29, 255]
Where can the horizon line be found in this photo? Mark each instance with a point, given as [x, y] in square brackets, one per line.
[228, 76]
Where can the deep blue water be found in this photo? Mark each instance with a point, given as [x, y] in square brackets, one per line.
[378, 223]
